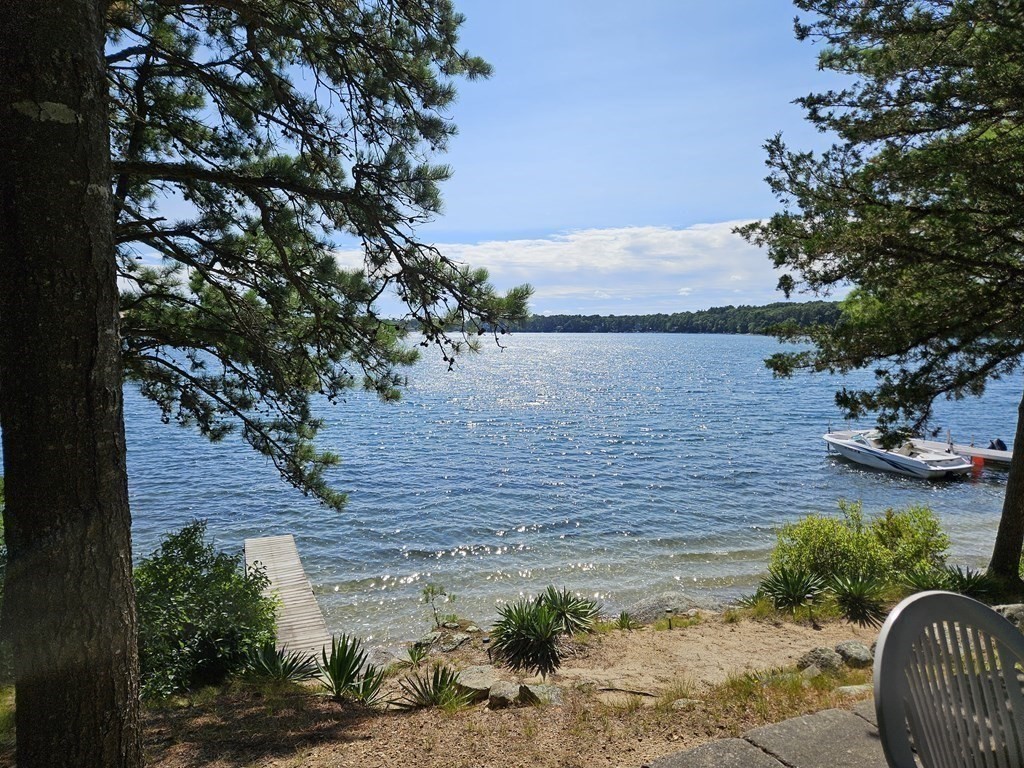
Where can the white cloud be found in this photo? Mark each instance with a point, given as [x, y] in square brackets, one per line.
[625, 270]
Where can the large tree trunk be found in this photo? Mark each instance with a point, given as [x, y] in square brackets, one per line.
[68, 605]
[1006, 553]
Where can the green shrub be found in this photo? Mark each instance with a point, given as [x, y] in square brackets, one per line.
[200, 614]
[913, 536]
[347, 671]
[439, 688]
[860, 598]
[268, 662]
[887, 547]
[970, 582]
[574, 613]
[792, 588]
[526, 637]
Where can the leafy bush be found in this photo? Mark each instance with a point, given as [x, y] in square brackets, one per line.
[913, 536]
[200, 614]
[439, 688]
[526, 637]
[268, 662]
[887, 547]
[860, 598]
[347, 672]
[574, 613]
[792, 588]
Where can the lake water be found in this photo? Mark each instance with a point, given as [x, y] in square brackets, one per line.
[614, 465]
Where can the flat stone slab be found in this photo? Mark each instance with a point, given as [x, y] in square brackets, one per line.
[866, 709]
[834, 738]
[726, 753]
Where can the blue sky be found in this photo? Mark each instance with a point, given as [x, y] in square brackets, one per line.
[616, 145]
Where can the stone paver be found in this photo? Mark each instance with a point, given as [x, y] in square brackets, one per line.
[834, 738]
[726, 753]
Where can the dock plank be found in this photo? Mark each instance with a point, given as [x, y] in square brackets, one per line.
[300, 623]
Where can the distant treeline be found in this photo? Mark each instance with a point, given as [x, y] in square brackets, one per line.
[730, 319]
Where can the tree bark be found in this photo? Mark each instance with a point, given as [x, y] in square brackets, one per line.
[69, 603]
[1006, 553]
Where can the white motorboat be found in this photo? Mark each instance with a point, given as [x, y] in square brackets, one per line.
[864, 447]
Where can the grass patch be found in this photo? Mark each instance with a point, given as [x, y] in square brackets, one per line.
[684, 688]
[678, 622]
[754, 698]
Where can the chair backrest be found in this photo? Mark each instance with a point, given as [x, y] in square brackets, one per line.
[946, 685]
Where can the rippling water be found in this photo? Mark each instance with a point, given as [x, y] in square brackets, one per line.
[616, 465]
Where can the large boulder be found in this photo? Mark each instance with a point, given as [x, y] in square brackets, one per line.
[825, 659]
[541, 694]
[650, 609]
[1013, 612]
[477, 681]
[855, 654]
[503, 694]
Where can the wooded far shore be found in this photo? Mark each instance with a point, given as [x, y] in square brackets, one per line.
[728, 319]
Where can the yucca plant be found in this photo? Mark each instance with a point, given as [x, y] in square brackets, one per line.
[791, 588]
[525, 637]
[860, 598]
[968, 581]
[268, 662]
[346, 671]
[924, 578]
[625, 621]
[574, 613]
[438, 688]
[415, 655]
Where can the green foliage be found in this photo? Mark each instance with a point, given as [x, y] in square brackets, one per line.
[625, 621]
[791, 588]
[268, 662]
[525, 637]
[924, 579]
[886, 547]
[432, 594]
[416, 654]
[730, 319]
[437, 688]
[861, 599]
[573, 613]
[915, 206]
[245, 312]
[970, 582]
[201, 616]
[912, 536]
[346, 672]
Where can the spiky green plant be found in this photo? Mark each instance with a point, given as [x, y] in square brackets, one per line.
[416, 654]
[791, 588]
[625, 621]
[346, 672]
[860, 598]
[574, 613]
[969, 581]
[438, 688]
[268, 662]
[924, 578]
[525, 637]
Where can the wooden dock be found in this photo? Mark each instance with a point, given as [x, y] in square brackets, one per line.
[300, 624]
[989, 455]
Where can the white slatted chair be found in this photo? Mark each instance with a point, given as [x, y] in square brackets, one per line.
[947, 686]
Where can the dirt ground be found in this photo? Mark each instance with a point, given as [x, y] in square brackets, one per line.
[617, 710]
